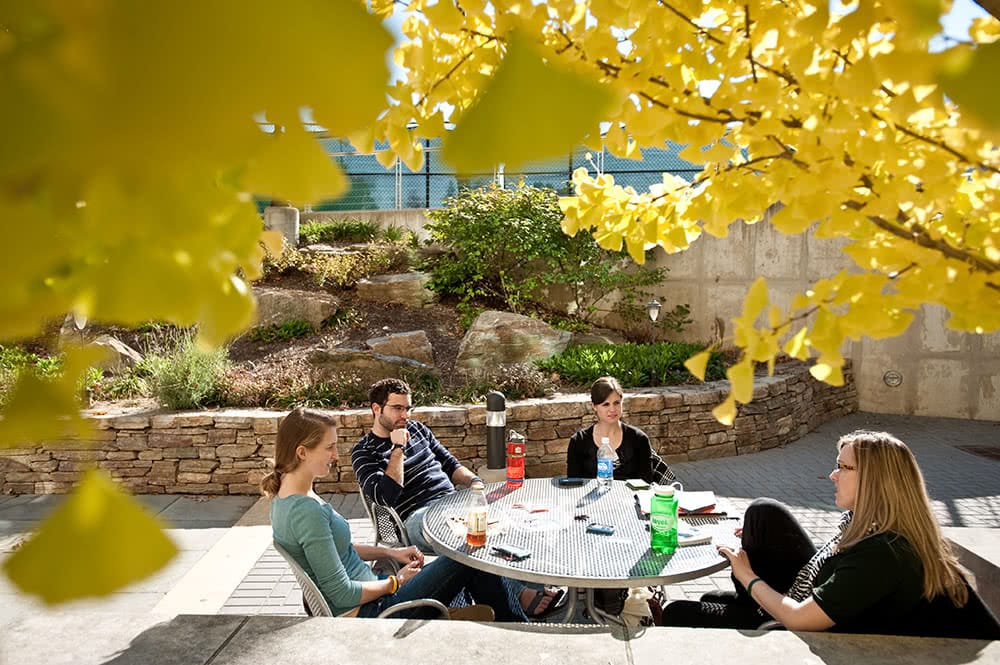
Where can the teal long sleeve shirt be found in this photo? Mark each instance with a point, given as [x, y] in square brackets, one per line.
[319, 539]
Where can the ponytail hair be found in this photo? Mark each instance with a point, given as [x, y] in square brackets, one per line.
[301, 427]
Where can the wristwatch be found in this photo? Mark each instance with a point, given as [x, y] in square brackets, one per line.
[398, 446]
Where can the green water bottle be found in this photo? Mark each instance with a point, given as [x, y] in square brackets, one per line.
[663, 520]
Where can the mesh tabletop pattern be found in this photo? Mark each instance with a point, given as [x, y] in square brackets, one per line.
[541, 516]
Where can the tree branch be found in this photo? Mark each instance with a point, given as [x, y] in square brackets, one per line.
[992, 6]
[746, 25]
[938, 144]
[917, 234]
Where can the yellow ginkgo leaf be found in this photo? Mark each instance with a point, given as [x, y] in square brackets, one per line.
[725, 413]
[49, 408]
[827, 373]
[755, 301]
[740, 378]
[697, 364]
[97, 541]
[971, 81]
[521, 116]
[293, 166]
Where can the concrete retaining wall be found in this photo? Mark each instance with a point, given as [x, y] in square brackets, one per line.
[945, 373]
[224, 452]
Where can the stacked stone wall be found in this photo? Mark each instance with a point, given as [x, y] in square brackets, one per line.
[226, 452]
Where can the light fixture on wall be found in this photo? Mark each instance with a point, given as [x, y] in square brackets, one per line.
[653, 309]
[892, 378]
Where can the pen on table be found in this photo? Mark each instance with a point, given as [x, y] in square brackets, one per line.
[638, 508]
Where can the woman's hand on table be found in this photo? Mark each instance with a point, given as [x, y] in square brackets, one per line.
[406, 555]
[407, 572]
[740, 563]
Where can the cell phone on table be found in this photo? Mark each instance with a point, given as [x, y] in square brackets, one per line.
[571, 482]
[512, 552]
[601, 529]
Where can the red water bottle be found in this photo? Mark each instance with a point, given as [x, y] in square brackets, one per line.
[515, 460]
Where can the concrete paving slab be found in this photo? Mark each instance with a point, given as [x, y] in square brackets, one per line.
[190, 511]
[703, 645]
[200, 539]
[31, 507]
[116, 638]
[206, 585]
[366, 642]
[156, 503]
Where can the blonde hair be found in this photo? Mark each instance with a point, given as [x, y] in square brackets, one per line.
[301, 427]
[892, 497]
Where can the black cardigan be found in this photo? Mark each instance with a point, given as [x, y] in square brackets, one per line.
[633, 454]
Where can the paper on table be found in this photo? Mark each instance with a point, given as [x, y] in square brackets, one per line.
[689, 535]
[700, 503]
[693, 502]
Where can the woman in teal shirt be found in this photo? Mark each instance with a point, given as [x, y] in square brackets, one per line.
[319, 539]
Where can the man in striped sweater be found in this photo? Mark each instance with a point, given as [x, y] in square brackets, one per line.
[400, 463]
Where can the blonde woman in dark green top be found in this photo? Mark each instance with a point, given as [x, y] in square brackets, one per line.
[319, 539]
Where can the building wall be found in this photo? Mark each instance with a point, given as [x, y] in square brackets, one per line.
[944, 373]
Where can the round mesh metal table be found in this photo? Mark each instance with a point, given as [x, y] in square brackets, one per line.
[544, 518]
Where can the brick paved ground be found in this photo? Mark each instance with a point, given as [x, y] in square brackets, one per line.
[965, 489]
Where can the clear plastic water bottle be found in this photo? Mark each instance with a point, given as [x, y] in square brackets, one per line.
[605, 463]
[475, 518]
[663, 520]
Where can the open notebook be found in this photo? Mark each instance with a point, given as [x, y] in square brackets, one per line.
[688, 503]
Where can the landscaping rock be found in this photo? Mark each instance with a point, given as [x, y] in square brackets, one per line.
[276, 306]
[505, 338]
[118, 355]
[368, 364]
[414, 345]
[597, 336]
[333, 250]
[405, 289]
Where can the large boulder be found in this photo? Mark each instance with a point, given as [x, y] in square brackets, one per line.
[117, 354]
[368, 364]
[505, 338]
[409, 288]
[276, 306]
[597, 336]
[414, 345]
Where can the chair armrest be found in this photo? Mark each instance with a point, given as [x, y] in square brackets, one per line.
[410, 604]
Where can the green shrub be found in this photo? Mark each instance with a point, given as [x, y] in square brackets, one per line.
[345, 270]
[338, 230]
[289, 384]
[14, 360]
[632, 364]
[516, 381]
[188, 377]
[280, 332]
[507, 246]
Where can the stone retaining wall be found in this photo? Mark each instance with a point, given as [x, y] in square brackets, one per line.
[224, 452]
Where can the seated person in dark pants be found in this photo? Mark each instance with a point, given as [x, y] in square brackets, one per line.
[630, 444]
[400, 463]
[633, 458]
[886, 560]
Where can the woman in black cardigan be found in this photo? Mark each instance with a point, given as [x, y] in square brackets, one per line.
[630, 444]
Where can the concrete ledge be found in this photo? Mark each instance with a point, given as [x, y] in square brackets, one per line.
[234, 640]
[979, 551]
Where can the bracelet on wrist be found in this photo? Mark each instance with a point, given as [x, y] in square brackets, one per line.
[750, 586]
[395, 584]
